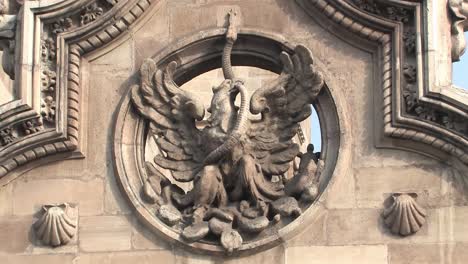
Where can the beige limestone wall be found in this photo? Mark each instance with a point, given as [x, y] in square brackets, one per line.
[348, 228]
[7, 93]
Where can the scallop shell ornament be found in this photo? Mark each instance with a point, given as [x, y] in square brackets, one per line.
[55, 227]
[404, 216]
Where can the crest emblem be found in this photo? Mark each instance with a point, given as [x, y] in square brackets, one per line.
[237, 166]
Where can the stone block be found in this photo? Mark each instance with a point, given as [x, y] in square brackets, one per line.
[38, 259]
[315, 234]
[105, 233]
[117, 61]
[354, 226]
[273, 256]
[137, 257]
[417, 253]
[6, 201]
[30, 196]
[374, 185]
[341, 191]
[114, 202]
[459, 254]
[268, 16]
[222, 18]
[143, 238]
[185, 20]
[63, 169]
[460, 224]
[153, 35]
[15, 233]
[337, 255]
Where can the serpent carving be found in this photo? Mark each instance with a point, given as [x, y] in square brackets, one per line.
[232, 161]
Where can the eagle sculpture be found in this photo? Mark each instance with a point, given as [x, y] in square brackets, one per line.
[233, 159]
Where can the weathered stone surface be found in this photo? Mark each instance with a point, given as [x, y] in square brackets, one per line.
[354, 226]
[121, 64]
[255, 225]
[374, 184]
[337, 254]
[217, 226]
[114, 202]
[183, 18]
[142, 238]
[195, 232]
[169, 214]
[459, 224]
[275, 255]
[143, 257]
[15, 234]
[315, 234]
[286, 206]
[29, 196]
[459, 253]
[231, 240]
[6, 203]
[105, 233]
[342, 194]
[149, 41]
[38, 259]
[424, 253]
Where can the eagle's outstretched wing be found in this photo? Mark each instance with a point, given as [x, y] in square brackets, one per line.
[172, 113]
[283, 104]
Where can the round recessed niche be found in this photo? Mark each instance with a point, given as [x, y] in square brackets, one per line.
[135, 147]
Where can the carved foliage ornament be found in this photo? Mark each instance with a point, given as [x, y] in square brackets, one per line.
[233, 161]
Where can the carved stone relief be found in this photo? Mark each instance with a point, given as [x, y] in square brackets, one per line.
[459, 9]
[237, 166]
[7, 39]
[422, 116]
[57, 225]
[50, 99]
[404, 216]
[240, 196]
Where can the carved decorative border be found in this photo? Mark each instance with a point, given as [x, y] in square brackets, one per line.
[411, 111]
[68, 30]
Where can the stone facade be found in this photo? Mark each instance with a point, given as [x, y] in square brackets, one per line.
[378, 154]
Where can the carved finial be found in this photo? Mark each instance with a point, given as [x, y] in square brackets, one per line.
[56, 227]
[404, 216]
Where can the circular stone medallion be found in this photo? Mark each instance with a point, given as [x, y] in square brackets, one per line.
[233, 184]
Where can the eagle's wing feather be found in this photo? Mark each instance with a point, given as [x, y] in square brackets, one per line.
[283, 104]
[172, 113]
